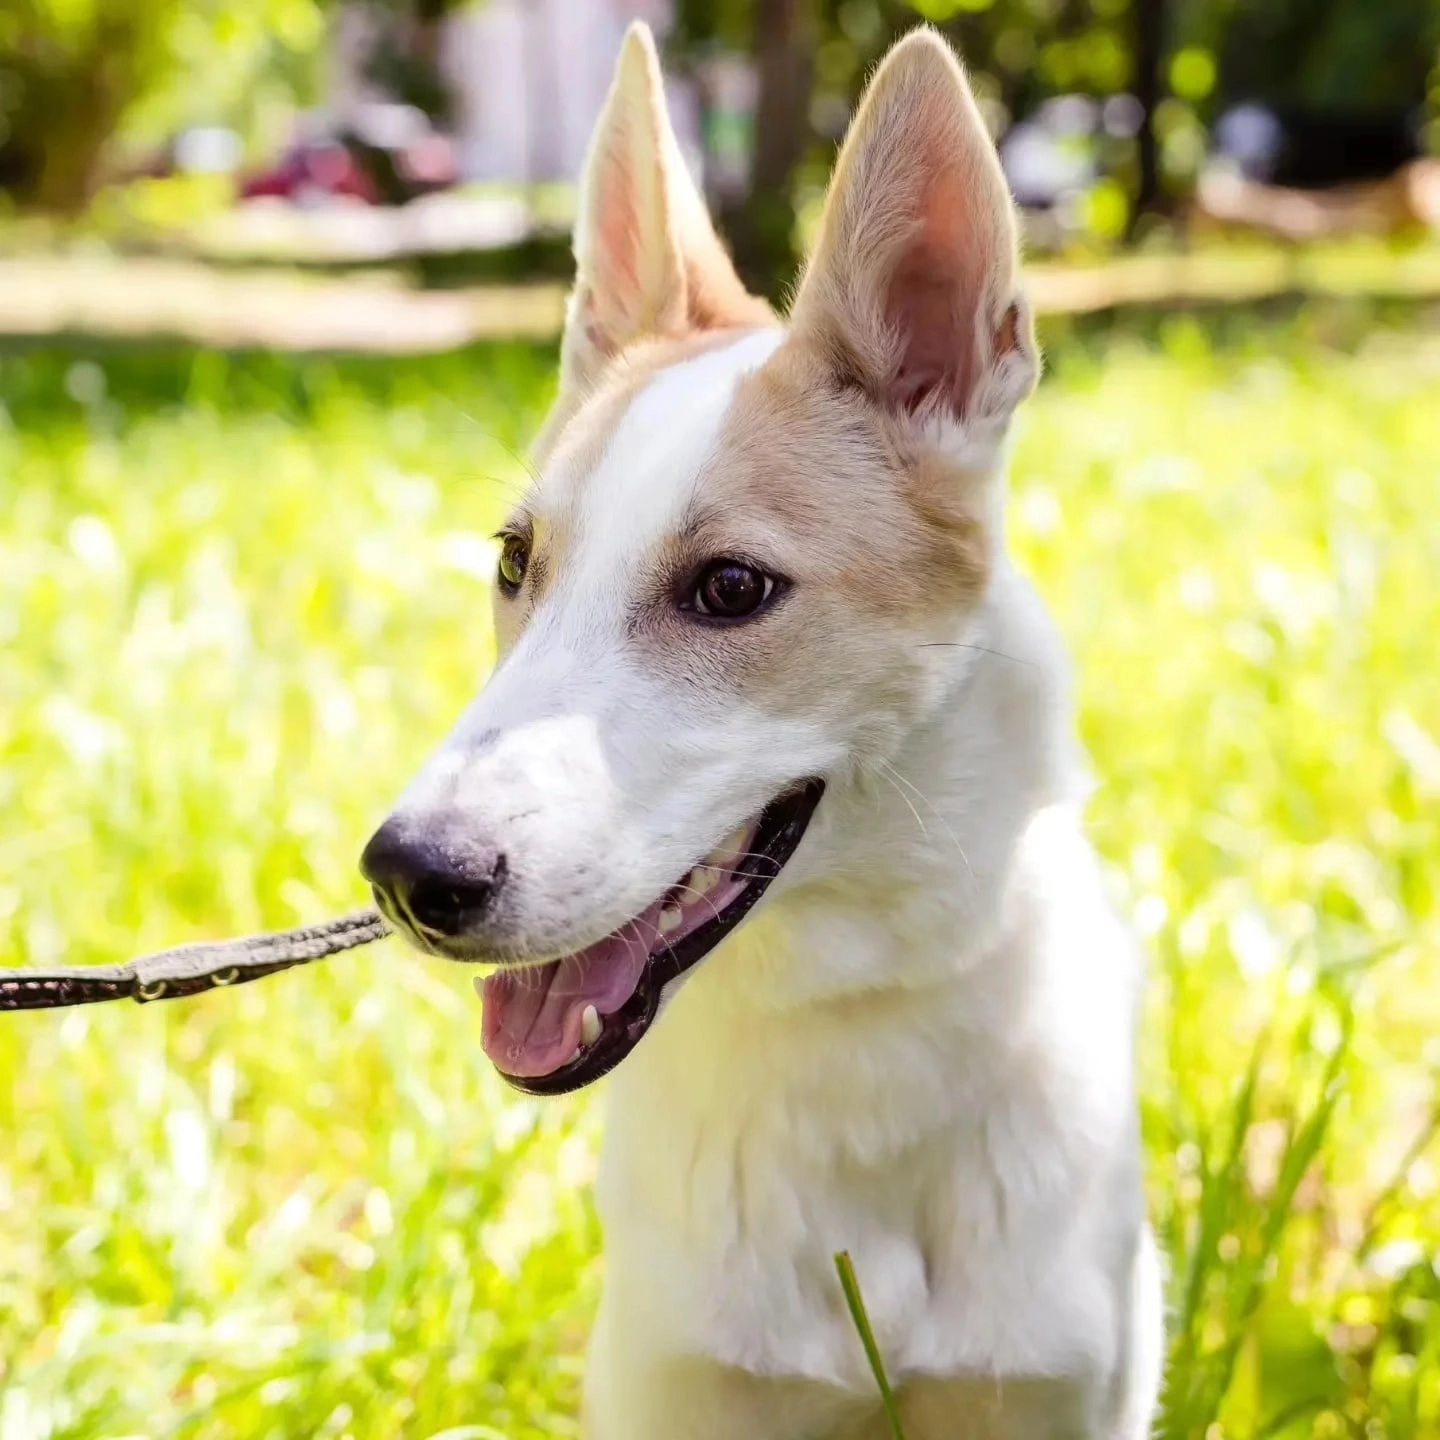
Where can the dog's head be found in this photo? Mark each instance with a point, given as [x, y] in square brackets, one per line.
[718, 596]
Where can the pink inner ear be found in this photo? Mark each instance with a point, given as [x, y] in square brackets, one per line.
[937, 343]
[617, 234]
[935, 301]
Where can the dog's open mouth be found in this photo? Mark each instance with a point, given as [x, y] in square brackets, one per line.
[554, 1028]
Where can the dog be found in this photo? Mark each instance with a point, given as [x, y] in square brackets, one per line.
[772, 807]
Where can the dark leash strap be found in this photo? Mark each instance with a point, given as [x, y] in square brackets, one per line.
[187, 969]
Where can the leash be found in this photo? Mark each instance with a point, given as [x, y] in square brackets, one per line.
[188, 969]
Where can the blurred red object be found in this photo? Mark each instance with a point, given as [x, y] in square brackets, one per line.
[313, 168]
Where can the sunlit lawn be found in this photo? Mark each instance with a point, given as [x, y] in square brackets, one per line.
[240, 598]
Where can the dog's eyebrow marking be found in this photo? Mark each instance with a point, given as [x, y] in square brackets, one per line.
[645, 478]
[707, 530]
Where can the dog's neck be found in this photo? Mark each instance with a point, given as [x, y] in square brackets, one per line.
[884, 988]
[917, 851]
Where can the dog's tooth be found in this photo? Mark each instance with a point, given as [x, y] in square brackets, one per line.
[590, 1025]
[724, 856]
[669, 919]
[702, 880]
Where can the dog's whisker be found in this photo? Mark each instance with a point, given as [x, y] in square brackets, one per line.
[512, 489]
[752, 874]
[983, 649]
[888, 773]
[750, 855]
[925, 800]
[520, 459]
[715, 911]
[632, 926]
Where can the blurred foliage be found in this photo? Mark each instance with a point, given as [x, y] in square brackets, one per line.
[73, 73]
[245, 66]
[67, 75]
[242, 596]
[77, 74]
[1344, 55]
[1181, 59]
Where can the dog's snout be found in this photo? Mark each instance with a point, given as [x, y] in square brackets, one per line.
[442, 890]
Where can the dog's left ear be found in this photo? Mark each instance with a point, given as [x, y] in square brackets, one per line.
[912, 292]
[648, 261]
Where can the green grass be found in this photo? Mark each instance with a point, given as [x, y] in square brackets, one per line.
[239, 600]
[860, 1318]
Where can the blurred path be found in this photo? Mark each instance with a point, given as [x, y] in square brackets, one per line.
[113, 297]
[140, 298]
[259, 279]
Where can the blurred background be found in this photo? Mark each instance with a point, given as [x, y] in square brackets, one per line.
[442, 138]
[280, 288]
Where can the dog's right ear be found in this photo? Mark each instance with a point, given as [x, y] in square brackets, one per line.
[647, 259]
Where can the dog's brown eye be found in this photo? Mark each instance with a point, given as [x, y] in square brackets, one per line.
[514, 557]
[731, 591]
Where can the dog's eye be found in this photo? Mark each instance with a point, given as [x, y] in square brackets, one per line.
[514, 557]
[728, 590]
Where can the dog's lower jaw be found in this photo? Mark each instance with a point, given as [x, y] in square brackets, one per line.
[968, 1133]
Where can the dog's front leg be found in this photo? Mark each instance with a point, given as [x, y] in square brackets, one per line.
[635, 1392]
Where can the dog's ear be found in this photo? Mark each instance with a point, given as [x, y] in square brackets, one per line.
[647, 259]
[912, 292]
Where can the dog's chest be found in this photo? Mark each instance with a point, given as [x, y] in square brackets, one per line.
[973, 1251]
[958, 1275]
[982, 1191]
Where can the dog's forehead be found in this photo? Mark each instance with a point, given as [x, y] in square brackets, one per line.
[624, 481]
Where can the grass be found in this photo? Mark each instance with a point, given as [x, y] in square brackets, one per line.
[860, 1318]
[241, 597]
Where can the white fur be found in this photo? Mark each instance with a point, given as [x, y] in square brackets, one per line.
[921, 1053]
[920, 1048]
[603, 781]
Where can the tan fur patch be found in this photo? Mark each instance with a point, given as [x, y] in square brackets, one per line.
[579, 427]
[821, 473]
[570, 450]
[881, 537]
[859, 503]
[883, 546]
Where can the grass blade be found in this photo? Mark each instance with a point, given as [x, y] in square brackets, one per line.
[855, 1301]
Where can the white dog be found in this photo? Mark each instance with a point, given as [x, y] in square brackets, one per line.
[760, 637]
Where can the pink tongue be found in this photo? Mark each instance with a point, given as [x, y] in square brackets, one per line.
[533, 1016]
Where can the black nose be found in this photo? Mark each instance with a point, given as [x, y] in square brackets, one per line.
[439, 886]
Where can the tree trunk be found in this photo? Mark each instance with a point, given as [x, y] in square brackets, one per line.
[1149, 32]
[762, 228]
[70, 104]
